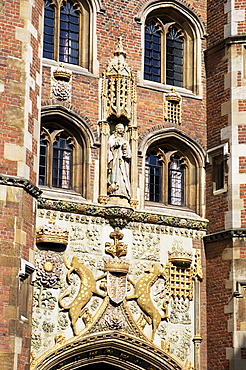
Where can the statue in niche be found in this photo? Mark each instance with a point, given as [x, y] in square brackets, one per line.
[119, 155]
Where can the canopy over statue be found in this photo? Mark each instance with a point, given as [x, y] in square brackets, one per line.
[119, 155]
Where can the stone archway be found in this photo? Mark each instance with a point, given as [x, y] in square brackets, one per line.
[101, 365]
[109, 350]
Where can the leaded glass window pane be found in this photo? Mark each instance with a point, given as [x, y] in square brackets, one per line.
[152, 57]
[62, 164]
[174, 57]
[49, 17]
[176, 183]
[153, 178]
[69, 34]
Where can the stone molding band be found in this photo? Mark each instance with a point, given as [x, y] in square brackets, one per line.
[121, 216]
[225, 234]
[21, 182]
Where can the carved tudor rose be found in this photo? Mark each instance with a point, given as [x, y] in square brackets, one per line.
[49, 268]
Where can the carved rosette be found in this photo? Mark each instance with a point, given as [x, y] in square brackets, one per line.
[113, 319]
[61, 90]
[118, 216]
[49, 268]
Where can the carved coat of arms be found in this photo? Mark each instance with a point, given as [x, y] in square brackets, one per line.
[116, 286]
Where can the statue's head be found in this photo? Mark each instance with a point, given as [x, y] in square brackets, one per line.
[120, 129]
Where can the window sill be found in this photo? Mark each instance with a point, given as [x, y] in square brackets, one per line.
[169, 210]
[220, 191]
[71, 67]
[167, 88]
[63, 194]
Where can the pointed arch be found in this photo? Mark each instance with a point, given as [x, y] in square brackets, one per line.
[112, 348]
[185, 182]
[168, 60]
[66, 142]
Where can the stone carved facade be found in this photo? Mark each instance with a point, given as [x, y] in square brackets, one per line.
[100, 286]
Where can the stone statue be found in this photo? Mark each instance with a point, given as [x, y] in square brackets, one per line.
[119, 156]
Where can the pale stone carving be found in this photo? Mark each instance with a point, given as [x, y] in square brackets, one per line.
[114, 319]
[49, 268]
[146, 245]
[119, 156]
[87, 289]
[61, 90]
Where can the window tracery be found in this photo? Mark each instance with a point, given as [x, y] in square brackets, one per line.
[165, 177]
[56, 156]
[172, 175]
[163, 60]
[172, 45]
[61, 158]
[66, 31]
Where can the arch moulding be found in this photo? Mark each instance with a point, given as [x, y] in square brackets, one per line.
[112, 348]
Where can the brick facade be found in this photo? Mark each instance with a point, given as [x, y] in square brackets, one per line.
[210, 119]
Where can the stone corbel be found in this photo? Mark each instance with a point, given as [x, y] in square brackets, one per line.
[240, 287]
[26, 269]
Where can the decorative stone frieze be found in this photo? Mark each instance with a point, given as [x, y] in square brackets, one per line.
[121, 216]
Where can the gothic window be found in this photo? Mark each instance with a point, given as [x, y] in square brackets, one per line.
[165, 177]
[60, 159]
[172, 173]
[171, 45]
[56, 158]
[163, 60]
[153, 176]
[66, 31]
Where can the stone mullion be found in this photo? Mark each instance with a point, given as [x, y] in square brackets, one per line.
[134, 169]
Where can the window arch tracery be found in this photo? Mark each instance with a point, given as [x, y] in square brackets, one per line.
[67, 31]
[177, 31]
[173, 173]
[164, 44]
[63, 156]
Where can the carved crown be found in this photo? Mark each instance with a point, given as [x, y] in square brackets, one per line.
[173, 96]
[116, 265]
[180, 258]
[52, 233]
[61, 73]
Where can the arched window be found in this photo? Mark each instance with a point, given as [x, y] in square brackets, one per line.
[66, 31]
[172, 45]
[172, 174]
[61, 158]
[163, 60]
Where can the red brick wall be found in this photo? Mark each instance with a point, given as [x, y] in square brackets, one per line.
[17, 215]
[216, 96]
[218, 337]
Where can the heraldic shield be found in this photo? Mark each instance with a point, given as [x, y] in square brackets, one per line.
[116, 286]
